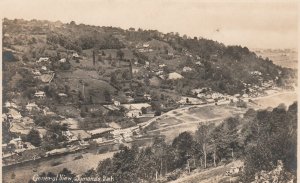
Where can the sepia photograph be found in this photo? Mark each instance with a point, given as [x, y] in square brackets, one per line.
[140, 91]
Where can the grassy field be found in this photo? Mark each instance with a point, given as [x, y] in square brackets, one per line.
[175, 122]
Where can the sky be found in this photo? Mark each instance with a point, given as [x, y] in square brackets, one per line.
[251, 23]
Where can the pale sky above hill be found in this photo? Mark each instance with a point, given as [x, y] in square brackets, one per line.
[255, 23]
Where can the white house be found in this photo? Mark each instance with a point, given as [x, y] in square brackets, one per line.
[187, 69]
[257, 73]
[162, 65]
[31, 106]
[10, 105]
[198, 63]
[116, 103]
[174, 76]
[17, 142]
[63, 60]
[75, 55]
[44, 68]
[14, 114]
[146, 45]
[43, 59]
[36, 72]
[62, 95]
[201, 95]
[39, 94]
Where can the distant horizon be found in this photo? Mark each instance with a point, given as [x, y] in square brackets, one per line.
[253, 24]
[136, 28]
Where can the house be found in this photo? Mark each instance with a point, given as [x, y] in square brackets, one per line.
[162, 65]
[111, 107]
[100, 132]
[47, 112]
[216, 95]
[245, 95]
[63, 60]
[44, 68]
[170, 54]
[43, 59]
[146, 45]
[189, 100]
[256, 73]
[116, 103]
[159, 73]
[200, 90]
[187, 69]
[62, 95]
[36, 73]
[237, 95]
[135, 110]
[198, 63]
[201, 95]
[75, 55]
[135, 70]
[174, 76]
[136, 106]
[21, 128]
[14, 114]
[114, 125]
[17, 142]
[134, 113]
[40, 94]
[31, 106]
[11, 105]
[147, 96]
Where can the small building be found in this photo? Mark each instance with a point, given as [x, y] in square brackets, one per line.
[146, 45]
[44, 68]
[63, 60]
[75, 55]
[187, 69]
[36, 73]
[174, 76]
[11, 105]
[43, 59]
[14, 114]
[17, 142]
[100, 132]
[117, 103]
[162, 65]
[31, 106]
[62, 95]
[40, 94]
[198, 63]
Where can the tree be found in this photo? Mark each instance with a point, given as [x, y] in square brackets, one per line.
[34, 137]
[183, 145]
[107, 95]
[202, 137]
[120, 54]
[144, 110]
[273, 137]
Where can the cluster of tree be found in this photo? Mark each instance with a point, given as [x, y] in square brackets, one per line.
[269, 137]
[87, 39]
